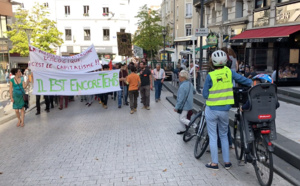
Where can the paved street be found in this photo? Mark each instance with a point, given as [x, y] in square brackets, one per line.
[93, 146]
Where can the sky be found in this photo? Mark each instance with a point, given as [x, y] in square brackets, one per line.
[135, 6]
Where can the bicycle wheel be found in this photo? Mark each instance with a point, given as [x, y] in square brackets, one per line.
[238, 140]
[190, 131]
[5, 95]
[201, 142]
[264, 162]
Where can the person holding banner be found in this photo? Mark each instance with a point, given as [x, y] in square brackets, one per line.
[61, 101]
[17, 90]
[134, 82]
[104, 96]
[123, 92]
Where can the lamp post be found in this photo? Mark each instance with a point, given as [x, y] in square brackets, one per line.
[28, 32]
[164, 33]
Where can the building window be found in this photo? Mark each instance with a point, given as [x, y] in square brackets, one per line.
[67, 10]
[70, 49]
[262, 3]
[46, 5]
[188, 29]
[122, 30]
[87, 34]
[68, 33]
[167, 7]
[86, 10]
[224, 13]
[213, 16]
[106, 34]
[105, 11]
[239, 9]
[189, 10]
[3, 27]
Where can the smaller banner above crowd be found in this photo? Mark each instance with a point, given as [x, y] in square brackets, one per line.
[86, 61]
[49, 83]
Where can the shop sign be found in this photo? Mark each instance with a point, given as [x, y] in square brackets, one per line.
[261, 18]
[212, 39]
[288, 13]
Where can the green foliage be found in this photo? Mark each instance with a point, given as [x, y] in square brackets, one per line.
[149, 34]
[44, 36]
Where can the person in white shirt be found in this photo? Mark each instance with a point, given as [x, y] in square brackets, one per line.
[159, 76]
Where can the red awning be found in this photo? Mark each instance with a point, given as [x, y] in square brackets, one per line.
[272, 32]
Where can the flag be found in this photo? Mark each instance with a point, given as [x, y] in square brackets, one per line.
[110, 65]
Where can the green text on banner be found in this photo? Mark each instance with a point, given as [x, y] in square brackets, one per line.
[50, 83]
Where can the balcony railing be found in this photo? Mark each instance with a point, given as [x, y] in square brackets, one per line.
[105, 38]
[198, 2]
[68, 37]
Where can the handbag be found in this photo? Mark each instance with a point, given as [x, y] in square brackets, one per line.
[179, 111]
[25, 97]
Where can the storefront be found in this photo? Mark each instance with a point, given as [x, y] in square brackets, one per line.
[275, 51]
[272, 47]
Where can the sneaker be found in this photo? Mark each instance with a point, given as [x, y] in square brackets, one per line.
[143, 107]
[100, 102]
[148, 108]
[38, 113]
[213, 167]
[104, 106]
[156, 100]
[194, 125]
[126, 103]
[81, 100]
[228, 166]
[132, 111]
[180, 132]
[119, 106]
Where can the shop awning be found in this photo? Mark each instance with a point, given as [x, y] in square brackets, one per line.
[272, 34]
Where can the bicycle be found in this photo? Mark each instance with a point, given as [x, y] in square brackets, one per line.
[254, 130]
[5, 95]
[199, 129]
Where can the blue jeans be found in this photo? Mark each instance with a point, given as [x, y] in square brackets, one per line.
[120, 95]
[216, 118]
[158, 86]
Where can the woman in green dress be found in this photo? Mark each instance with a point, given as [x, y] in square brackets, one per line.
[17, 86]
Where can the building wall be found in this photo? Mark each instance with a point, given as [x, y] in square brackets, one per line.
[95, 21]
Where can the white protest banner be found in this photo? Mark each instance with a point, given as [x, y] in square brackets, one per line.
[105, 61]
[50, 83]
[86, 61]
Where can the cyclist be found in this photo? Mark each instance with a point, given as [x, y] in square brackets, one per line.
[260, 78]
[218, 93]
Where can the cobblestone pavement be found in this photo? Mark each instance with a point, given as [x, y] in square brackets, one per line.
[93, 146]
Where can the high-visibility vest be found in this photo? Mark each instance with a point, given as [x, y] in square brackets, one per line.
[221, 92]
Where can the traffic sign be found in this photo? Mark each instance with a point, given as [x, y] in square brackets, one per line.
[201, 32]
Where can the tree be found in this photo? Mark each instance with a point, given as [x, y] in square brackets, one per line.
[45, 35]
[149, 34]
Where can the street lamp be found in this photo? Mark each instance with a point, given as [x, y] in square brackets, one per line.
[164, 33]
[28, 32]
